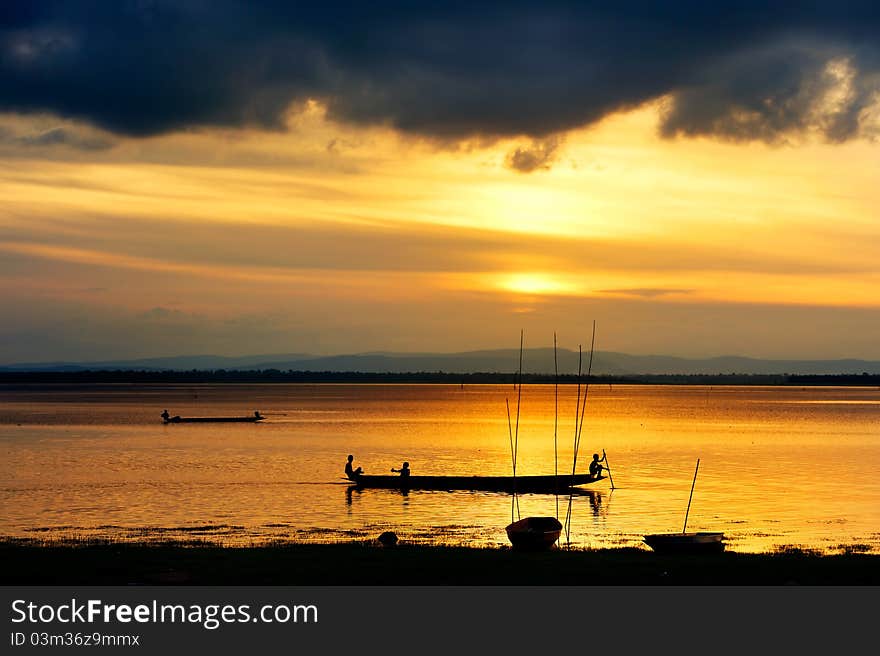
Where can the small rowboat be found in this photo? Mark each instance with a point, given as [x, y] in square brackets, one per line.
[534, 533]
[535, 484]
[686, 543]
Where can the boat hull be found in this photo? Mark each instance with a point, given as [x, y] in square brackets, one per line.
[206, 420]
[534, 533]
[686, 543]
[524, 484]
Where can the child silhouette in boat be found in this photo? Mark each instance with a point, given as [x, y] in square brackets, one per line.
[595, 467]
[350, 471]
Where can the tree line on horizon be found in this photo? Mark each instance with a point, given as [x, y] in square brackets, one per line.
[291, 376]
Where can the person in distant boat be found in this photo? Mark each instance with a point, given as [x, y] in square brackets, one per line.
[257, 414]
[165, 415]
[403, 471]
[595, 467]
[350, 472]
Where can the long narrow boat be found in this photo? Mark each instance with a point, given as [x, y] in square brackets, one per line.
[198, 420]
[544, 484]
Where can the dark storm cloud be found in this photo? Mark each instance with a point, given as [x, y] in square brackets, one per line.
[55, 137]
[745, 70]
[539, 155]
[767, 93]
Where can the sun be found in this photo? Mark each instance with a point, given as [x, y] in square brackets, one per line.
[534, 283]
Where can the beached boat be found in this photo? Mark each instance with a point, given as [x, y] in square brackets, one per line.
[539, 484]
[534, 533]
[197, 420]
[686, 543]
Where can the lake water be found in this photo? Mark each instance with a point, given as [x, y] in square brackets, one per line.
[779, 466]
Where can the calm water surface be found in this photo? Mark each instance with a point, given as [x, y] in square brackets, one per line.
[779, 466]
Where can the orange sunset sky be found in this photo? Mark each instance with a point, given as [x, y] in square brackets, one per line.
[327, 232]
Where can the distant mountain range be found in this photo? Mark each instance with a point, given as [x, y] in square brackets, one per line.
[503, 360]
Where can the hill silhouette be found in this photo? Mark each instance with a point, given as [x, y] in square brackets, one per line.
[535, 361]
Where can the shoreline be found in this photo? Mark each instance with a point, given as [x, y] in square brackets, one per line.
[367, 563]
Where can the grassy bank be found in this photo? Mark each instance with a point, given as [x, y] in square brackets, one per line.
[368, 564]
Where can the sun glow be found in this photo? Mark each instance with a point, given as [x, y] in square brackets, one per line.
[534, 283]
[406, 235]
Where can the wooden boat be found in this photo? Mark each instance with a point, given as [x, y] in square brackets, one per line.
[534, 533]
[197, 420]
[686, 543]
[540, 484]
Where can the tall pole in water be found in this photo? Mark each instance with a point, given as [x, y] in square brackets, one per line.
[577, 409]
[555, 426]
[512, 458]
[608, 468]
[516, 430]
[684, 528]
[579, 425]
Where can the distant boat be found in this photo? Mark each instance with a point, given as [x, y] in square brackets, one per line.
[534, 533]
[686, 543]
[536, 484]
[201, 420]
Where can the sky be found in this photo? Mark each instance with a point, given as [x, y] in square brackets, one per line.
[236, 178]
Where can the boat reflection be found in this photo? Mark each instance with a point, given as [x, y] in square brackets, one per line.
[594, 496]
[595, 502]
[351, 490]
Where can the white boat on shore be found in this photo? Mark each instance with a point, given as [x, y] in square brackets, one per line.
[691, 543]
[686, 543]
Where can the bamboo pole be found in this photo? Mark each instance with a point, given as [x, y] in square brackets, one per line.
[577, 408]
[684, 528]
[516, 430]
[510, 433]
[555, 427]
[579, 423]
[586, 391]
[518, 400]
[512, 456]
[608, 467]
